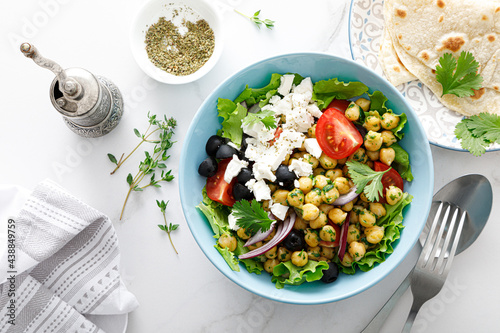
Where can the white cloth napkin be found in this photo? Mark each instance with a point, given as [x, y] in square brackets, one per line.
[66, 265]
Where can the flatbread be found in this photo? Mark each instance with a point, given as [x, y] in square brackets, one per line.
[421, 31]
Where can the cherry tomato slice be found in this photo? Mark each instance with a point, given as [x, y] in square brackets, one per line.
[218, 189]
[277, 134]
[339, 104]
[336, 135]
[389, 178]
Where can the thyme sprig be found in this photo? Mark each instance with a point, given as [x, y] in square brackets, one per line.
[168, 228]
[255, 19]
[153, 160]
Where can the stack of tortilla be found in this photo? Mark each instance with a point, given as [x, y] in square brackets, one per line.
[418, 32]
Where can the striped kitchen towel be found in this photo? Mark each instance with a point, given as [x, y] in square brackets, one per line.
[63, 264]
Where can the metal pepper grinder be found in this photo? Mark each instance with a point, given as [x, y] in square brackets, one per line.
[91, 105]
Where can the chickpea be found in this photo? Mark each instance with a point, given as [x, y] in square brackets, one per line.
[359, 156]
[313, 253]
[265, 205]
[320, 221]
[310, 212]
[325, 208]
[353, 233]
[363, 103]
[242, 233]
[373, 155]
[347, 260]
[227, 241]
[348, 206]
[342, 185]
[311, 131]
[353, 216]
[255, 246]
[353, 112]
[327, 162]
[337, 216]
[327, 252]
[299, 258]
[374, 234]
[330, 194]
[328, 234]
[333, 174]
[311, 160]
[284, 254]
[372, 123]
[388, 138]
[300, 224]
[305, 184]
[342, 161]
[314, 197]
[363, 197]
[393, 195]
[280, 196]
[272, 253]
[321, 181]
[271, 235]
[378, 209]
[270, 264]
[367, 218]
[295, 198]
[387, 156]
[311, 238]
[272, 187]
[285, 161]
[298, 155]
[357, 250]
[389, 121]
[319, 171]
[373, 141]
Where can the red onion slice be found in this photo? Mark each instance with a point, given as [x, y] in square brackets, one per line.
[343, 238]
[260, 236]
[281, 233]
[346, 198]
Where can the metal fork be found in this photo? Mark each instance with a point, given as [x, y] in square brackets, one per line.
[435, 260]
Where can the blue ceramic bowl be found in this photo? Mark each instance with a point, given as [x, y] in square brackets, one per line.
[319, 67]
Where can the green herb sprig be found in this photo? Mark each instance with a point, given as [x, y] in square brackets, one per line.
[168, 228]
[251, 216]
[255, 19]
[458, 77]
[264, 116]
[154, 160]
[366, 180]
[477, 133]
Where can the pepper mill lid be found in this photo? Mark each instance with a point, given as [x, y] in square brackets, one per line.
[76, 90]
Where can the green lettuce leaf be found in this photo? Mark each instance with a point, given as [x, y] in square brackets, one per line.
[325, 91]
[254, 95]
[232, 114]
[215, 213]
[312, 271]
[229, 257]
[393, 224]
[253, 266]
[402, 162]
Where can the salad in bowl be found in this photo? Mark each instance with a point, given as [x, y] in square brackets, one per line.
[275, 157]
[305, 179]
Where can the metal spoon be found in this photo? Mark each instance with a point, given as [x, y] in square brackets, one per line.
[472, 193]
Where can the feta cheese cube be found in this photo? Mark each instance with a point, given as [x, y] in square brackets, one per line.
[233, 168]
[231, 219]
[314, 110]
[263, 171]
[279, 210]
[312, 147]
[301, 168]
[286, 84]
[259, 189]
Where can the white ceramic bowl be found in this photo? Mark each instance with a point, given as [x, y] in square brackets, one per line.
[151, 12]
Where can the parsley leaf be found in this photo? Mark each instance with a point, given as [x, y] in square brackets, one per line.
[251, 216]
[264, 116]
[458, 77]
[366, 180]
[478, 132]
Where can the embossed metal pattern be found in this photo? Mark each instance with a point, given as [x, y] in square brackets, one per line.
[366, 28]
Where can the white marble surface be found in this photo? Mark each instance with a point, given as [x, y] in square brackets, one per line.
[185, 293]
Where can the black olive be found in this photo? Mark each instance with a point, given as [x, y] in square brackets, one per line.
[244, 143]
[288, 185]
[244, 176]
[331, 274]
[284, 175]
[294, 241]
[208, 167]
[213, 144]
[241, 192]
[225, 151]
